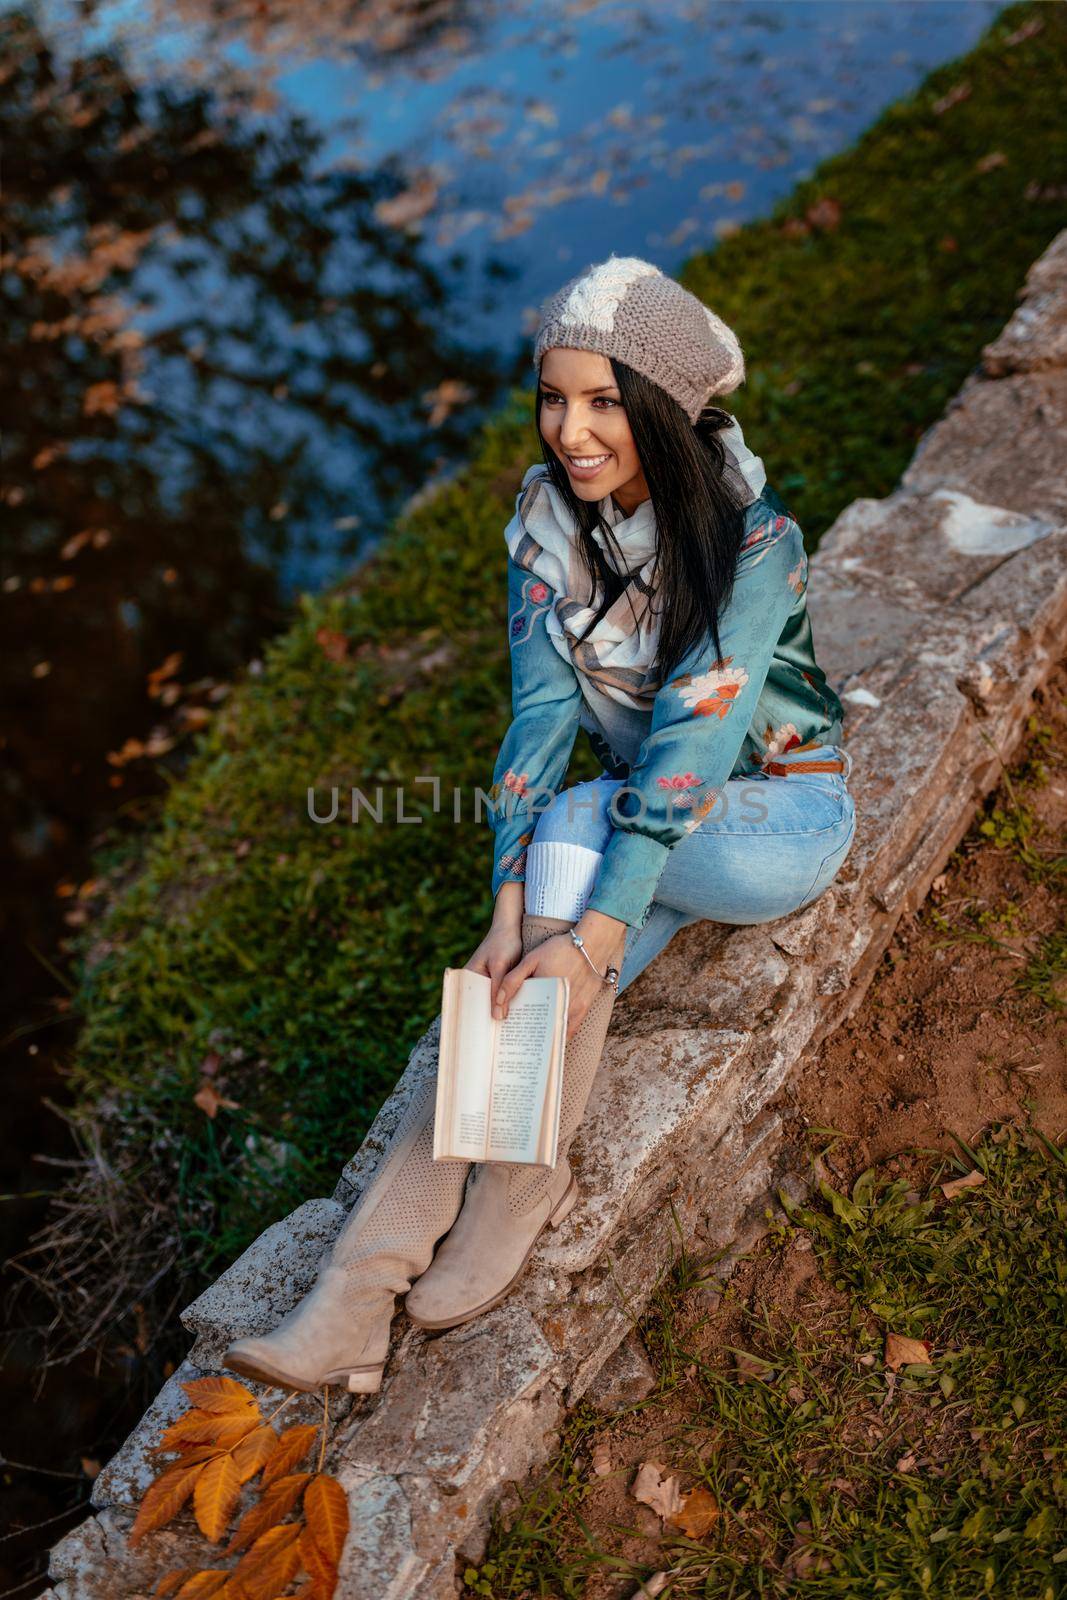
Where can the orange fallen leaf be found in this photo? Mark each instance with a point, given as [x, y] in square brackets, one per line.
[903, 1352]
[323, 1573]
[699, 1512]
[254, 1451]
[215, 1495]
[326, 1510]
[293, 1445]
[209, 1100]
[204, 1585]
[171, 1582]
[276, 1504]
[223, 1397]
[204, 1427]
[271, 1562]
[164, 1499]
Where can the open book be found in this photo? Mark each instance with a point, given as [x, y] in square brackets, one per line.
[499, 1082]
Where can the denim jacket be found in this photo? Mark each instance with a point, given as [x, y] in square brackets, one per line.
[715, 718]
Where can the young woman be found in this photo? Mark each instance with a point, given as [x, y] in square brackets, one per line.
[656, 598]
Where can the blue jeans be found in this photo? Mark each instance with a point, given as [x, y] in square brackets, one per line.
[769, 846]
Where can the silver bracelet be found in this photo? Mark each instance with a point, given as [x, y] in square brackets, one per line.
[612, 974]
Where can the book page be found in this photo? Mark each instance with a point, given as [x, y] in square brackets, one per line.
[469, 1063]
[523, 1052]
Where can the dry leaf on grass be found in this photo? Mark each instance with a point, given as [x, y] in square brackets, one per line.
[209, 1100]
[699, 1513]
[972, 1180]
[652, 1488]
[902, 1352]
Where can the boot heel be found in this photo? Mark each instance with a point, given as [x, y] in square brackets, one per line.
[369, 1381]
[566, 1205]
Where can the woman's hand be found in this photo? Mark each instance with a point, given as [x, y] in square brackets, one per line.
[559, 957]
[498, 952]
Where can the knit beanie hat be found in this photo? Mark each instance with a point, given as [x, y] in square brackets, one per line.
[627, 308]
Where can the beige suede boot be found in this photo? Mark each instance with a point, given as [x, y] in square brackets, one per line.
[508, 1203]
[339, 1332]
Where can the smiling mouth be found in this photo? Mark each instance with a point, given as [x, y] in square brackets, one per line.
[588, 463]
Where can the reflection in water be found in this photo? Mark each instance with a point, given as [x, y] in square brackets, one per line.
[210, 332]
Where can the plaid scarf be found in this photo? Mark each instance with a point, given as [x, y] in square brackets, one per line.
[614, 662]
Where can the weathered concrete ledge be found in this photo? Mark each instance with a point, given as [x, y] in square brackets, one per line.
[937, 612]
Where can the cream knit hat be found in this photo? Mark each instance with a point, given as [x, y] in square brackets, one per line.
[627, 308]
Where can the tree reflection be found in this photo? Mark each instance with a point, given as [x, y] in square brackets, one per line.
[225, 368]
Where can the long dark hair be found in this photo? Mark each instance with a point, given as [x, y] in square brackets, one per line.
[699, 509]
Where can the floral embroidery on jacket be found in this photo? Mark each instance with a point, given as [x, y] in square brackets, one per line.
[780, 739]
[798, 577]
[702, 809]
[711, 693]
[516, 862]
[679, 783]
[537, 592]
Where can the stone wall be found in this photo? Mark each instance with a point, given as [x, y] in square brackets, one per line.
[937, 612]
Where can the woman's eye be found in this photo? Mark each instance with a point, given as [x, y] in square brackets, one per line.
[606, 398]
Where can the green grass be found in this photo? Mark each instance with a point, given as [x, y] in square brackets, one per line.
[297, 964]
[980, 1508]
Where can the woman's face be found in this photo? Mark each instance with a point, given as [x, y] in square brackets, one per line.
[582, 420]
